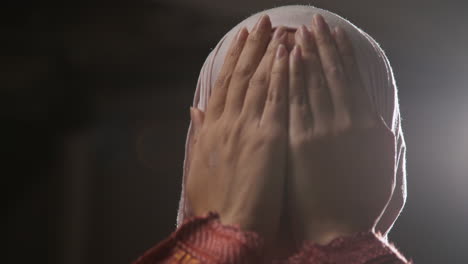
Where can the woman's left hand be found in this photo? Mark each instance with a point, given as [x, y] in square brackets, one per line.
[341, 153]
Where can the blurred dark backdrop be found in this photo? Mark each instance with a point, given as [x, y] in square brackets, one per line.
[95, 106]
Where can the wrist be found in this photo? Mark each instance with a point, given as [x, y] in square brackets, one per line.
[251, 223]
[325, 237]
[210, 236]
[324, 233]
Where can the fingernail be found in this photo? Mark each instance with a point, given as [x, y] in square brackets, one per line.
[296, 52]
[237, 34]
[258, 22]
[261, 21]
[281, 51]
[339, 33]
[241, 34]
[320, 22]
[279, 33]
[304, 32]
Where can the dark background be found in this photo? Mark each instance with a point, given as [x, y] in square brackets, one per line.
[95, 106]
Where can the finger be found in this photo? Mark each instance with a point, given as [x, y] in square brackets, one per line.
[217, 99]
[332, 67]
[316, 89]
[276, 108]
[249, 59]
[258, 85]
[198, 118]
[300, 117]
[362, 105]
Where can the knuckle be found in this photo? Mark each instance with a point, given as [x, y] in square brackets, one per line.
[235, 132]
[277, 72]
[272, 96]
[224, 127]
[322, 40]
[259, 80]
[234, 52]
[223, 132]
[255, 37]
[243, 70]
[222, 80]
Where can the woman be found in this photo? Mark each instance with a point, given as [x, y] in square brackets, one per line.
[299, 151]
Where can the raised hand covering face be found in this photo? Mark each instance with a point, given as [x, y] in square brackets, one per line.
[377, 78]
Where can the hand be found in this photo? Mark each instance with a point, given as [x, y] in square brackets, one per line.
[238, 162]
[342, 155]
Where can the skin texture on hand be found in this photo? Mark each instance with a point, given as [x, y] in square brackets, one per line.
[341, 153]
[239, 159]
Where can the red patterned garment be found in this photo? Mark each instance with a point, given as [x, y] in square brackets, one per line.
[206, 240]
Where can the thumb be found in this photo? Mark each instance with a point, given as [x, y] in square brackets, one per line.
[198, 118]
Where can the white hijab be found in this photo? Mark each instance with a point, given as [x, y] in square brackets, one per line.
[375, 70]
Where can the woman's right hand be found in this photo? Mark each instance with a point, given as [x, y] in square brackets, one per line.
[342, 155]
[238, 162]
